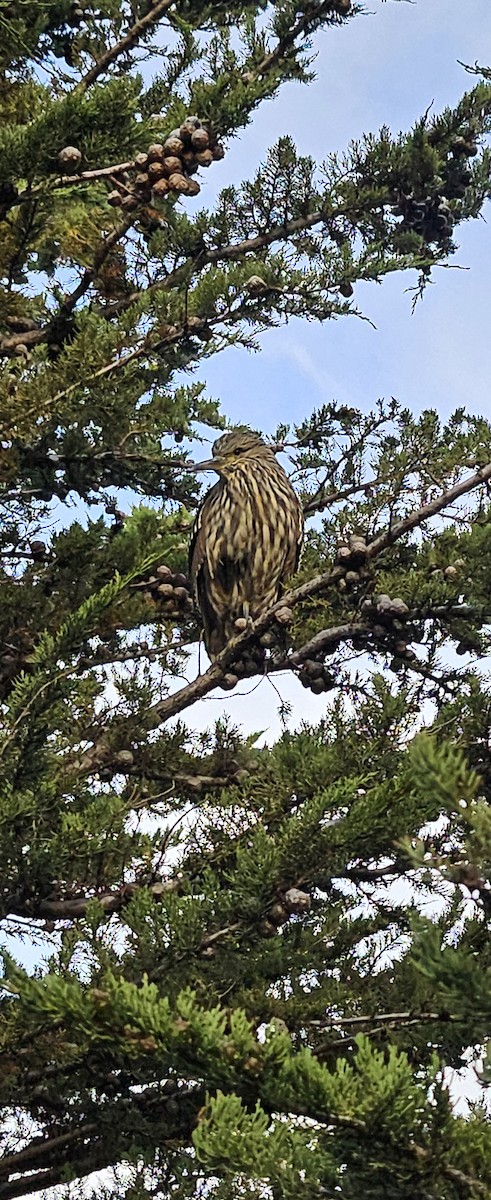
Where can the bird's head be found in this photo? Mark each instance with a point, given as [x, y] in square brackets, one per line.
[232, 449]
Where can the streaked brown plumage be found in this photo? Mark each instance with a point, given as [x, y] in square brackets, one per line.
[247, 536]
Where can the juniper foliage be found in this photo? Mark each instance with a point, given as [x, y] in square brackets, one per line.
[254, 964]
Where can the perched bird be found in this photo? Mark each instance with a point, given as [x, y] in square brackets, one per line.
[247, 536]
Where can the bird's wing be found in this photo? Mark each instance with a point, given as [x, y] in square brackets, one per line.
[200, 534]
[196, 548]
[295, 545]
[199, 565]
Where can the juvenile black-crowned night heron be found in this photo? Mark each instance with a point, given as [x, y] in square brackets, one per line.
[246, 538]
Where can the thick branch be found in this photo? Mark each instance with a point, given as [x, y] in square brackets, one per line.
[110, 1140]
[108, 1145]
[325, 639]
[40, 1150]
[37, 1182]
[71, 908]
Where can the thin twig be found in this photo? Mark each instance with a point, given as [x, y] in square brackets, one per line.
[320, 501]
[394, 1018]
[39, 192]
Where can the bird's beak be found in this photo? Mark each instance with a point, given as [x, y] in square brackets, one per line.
[209, 464]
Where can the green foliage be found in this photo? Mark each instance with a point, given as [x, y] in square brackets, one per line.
[253, 963]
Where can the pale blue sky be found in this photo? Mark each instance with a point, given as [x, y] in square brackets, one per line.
[386, 66]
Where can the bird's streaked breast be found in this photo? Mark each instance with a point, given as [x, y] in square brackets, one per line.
[246, 542]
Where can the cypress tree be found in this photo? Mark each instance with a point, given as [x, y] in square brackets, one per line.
[254, 965]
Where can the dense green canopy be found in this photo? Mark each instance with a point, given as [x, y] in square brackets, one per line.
[260, 961]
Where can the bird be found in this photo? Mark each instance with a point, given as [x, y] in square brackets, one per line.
[246, 538]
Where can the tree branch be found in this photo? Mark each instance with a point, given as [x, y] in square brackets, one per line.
[174, 279]
[469, 1182]
[394, 1018]
[326, 638]
[110, 1144]
[320, 500]
[39, 1150]
[435, 506]
[33, 337]
[302, 28]
[37, 1182]
[126, 43]
[323, 640]
[227, 253]
[37, 193]
[163, 710]
[72, 908]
